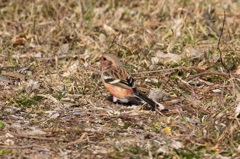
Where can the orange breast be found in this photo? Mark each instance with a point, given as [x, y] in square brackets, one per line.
[118, 91]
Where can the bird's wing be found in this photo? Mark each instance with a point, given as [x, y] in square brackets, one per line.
[119, 77]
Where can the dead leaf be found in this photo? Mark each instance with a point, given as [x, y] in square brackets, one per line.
[237, 70]
[13, 74]
[64, 48]
[20, 40]
[238, 97]
[109, 30]
[4, 79]
[237, 110]
[176, 145]
[71, 70]
[38, 55]
[169, 58]
[33, 85]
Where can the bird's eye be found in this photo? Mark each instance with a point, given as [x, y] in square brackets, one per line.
[104, 59]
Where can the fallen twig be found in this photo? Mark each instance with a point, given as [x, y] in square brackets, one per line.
[171, 69]
[39, 138]
[28, 147]
[213, 73]
[219, 40]
[76, 141]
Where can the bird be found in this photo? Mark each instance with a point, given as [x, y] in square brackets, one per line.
[119, 82]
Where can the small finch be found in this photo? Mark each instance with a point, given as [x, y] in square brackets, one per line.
[119, 82]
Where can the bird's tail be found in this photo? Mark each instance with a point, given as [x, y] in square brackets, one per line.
[146, 99]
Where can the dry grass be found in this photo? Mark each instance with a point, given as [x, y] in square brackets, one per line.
[53, 104]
